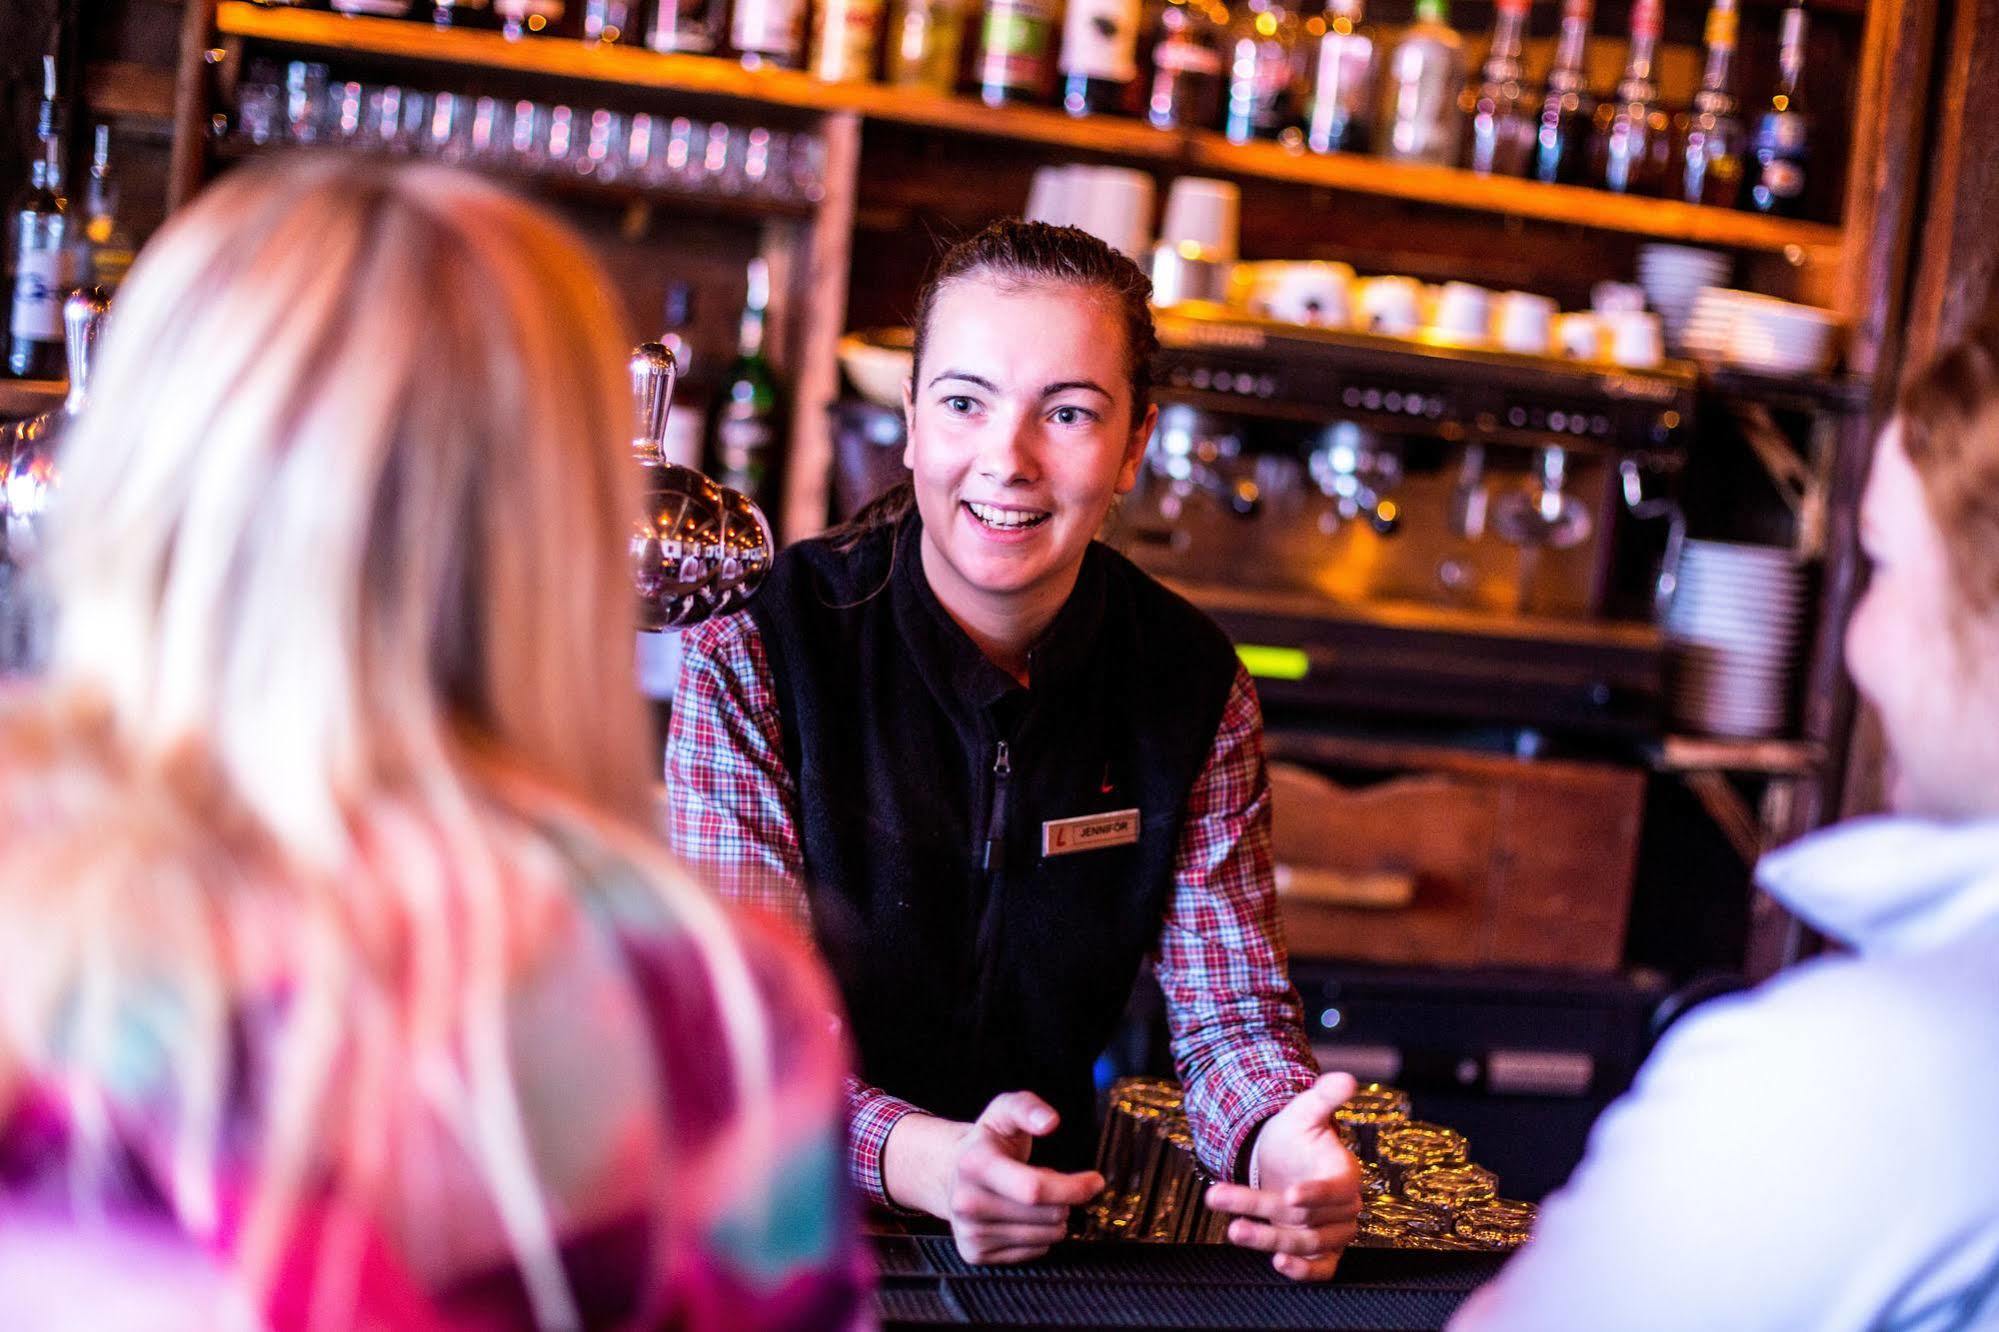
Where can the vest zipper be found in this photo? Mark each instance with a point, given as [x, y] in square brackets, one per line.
[995, 852]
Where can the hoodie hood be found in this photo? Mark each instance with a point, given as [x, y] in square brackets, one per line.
[1890, 885]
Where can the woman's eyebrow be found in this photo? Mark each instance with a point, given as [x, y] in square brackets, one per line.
[967, 377]
[1062, 385]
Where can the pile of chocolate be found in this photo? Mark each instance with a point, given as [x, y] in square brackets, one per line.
[1419, 1187]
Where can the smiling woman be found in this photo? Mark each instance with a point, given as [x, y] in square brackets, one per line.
[888, 746]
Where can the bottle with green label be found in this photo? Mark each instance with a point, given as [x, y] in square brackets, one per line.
[745, 421]
[1421, 120]
[1016, 55]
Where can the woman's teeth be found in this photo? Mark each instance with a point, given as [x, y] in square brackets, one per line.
[1005, 519]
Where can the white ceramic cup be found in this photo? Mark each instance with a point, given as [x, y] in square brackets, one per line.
[1612, 298]
[1581, 336]
[1392, 306]
[1464, 315]
[1525, 322]
[1636, 340]
[1317, 294]
[1050, 195]
[1114, 204]
[1205, 213]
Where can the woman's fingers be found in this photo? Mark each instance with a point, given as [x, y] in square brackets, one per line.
[1034, 1186]
[973, 1203]
[1307, 1269]
[1026, 1254]
[1303, 1241]
[1315, 1203]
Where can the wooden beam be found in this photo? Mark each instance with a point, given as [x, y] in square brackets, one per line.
[128, 89]
[820, 312]
[191, 107]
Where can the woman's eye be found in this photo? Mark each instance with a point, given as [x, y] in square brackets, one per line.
[1072, 415]
[959, 406]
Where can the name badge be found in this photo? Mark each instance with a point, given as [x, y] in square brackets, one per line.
[1089, 832]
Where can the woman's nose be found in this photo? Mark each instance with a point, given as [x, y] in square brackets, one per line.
[1007, 454]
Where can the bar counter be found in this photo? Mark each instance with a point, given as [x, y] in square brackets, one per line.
[1187, 1288]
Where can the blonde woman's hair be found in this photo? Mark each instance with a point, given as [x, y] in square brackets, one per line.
[340, 566]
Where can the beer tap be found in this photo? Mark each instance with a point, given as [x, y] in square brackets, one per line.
[699, 549]
[29, 447]
[1355, 474]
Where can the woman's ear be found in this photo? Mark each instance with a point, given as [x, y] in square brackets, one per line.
[1134, 449]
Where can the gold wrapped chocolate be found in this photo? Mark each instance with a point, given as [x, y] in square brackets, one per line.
[1501, 1224]
[1406, 1149]
[1366, 1112]
[1373, 1182]
[1398, 1218]
[1452, 1187]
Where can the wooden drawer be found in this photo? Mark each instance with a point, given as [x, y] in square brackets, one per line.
[1426, 856]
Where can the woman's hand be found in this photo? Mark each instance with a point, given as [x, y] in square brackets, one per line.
[976, 1176]
[1308, 1192]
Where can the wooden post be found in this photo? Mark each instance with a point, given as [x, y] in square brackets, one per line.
[189, 164]
[1960, 239]
[820, 300]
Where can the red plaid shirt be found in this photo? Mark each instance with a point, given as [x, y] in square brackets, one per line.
[1237, 1024]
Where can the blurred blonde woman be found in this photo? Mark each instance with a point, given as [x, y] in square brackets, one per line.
[330, 946]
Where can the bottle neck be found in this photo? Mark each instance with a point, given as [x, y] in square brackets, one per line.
[1573, 49]
[1508, 29]
[1791, 58]
[1433, 11]
[46, 171]
[1637, 83]
[750, 341]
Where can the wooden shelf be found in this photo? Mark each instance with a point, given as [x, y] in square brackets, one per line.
[1658, 219]
[1775, 758]
[630, 67]
[30, 397]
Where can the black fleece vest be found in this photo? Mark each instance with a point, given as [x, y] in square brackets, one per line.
[970, 963]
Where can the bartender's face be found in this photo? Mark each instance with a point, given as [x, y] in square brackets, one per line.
[1020, 434]
[1928, 664]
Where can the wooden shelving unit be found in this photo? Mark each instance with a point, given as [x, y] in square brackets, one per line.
[705, 76]
[29, 397]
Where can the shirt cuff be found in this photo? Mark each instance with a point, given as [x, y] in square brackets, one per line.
[1241, 1136]
[871, 1113]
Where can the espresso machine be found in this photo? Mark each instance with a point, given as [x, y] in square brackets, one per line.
[1412, 528]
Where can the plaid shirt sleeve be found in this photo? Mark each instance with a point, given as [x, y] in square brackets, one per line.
[1236, 1021]
[731, 814]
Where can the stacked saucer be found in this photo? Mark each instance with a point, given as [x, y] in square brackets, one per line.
[1673, 276]
[1733, 634]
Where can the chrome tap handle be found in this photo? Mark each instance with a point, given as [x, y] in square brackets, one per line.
[653, 374]
[699, 549]
[83, 313]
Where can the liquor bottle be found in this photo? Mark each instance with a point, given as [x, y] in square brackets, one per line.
[1188, 42]
[1634, 134]
[1099, 61]
[1568, 110]
[1016, 56]
[844, 33]
[609, 22]
[1262, 71]
[1711, 138]
[925, 41]
[110, 247]
[42, 253]
[1782, 144]
[768, 33]
[685, 26]
[463, 14]
[1500, 109]
[743, 420]
[1421, 120]
[518, 18]
[682, 441]
[1339, 115]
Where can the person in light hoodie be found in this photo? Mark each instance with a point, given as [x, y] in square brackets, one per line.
[1818, 1153]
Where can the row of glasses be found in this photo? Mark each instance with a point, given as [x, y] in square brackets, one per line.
[304, 105]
